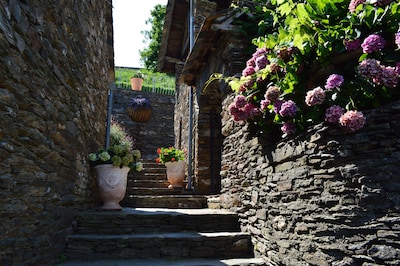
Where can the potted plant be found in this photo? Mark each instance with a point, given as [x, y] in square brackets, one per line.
[137, 79]
[140, 110]
[112, 166]
[174, 161]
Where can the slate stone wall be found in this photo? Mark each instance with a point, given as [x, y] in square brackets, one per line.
[150, 135]
[325, 197]
[56, 61]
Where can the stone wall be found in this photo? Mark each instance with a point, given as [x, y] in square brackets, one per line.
[150, 135]
[324, 197]
[55, 66]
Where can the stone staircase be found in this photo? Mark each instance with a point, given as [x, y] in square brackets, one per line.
[159, 226]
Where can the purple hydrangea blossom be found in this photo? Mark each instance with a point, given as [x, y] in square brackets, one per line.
[248, 71]
[334, 81]
[315, 96]
[371, 69]
[261, 62]
[372, 43]
[333, 114]
[277, 106]
[397, 39]
[288, 128]
[352, 120]
[288, 109]
[272, 93]
[389, 76]
[397, 68]
[352, 45]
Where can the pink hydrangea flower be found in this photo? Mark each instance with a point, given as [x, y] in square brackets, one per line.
[240, 101]
[248, 71]
[352, 120]
[315, 96]
[264, 105]
[354, 3]
[372, 43]
[334, 81]
[259, 52]
[251, 62]
[333, 114]
[252, 110]
[289, 128]
[288, 109]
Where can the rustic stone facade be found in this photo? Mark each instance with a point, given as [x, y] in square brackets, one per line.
[55, 66]
[324, 197]
[226, 57]
[150, 135]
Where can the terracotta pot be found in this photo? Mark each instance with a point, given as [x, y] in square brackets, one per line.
[136, 84]
[175, 173]
[112, 182]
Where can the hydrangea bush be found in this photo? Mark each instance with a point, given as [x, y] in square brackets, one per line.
[318, 61]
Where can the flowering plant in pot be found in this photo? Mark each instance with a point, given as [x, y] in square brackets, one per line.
[120, 153]
[174, 160]
[327, 62]
[140, 109]
[170, 154]
[137, 79]
[112, 166]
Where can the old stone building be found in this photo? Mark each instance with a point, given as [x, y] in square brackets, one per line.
[218, 48]
[325, 197]
[56, 67]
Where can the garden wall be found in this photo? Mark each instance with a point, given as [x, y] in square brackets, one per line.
[322, 198]
[55, 66]
[150, 135]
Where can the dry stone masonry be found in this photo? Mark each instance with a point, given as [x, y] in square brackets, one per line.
[56, 61]
[324, 197]
[152, 134]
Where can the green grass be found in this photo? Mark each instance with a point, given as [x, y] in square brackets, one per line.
[154, 82]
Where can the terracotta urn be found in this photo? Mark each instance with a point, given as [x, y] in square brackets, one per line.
[112, 181]
[175, 173]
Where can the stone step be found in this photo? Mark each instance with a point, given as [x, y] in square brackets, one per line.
[222, 245]
[169, 262]
[150, 183]
[155, 220]
[155, 191]
[165, 201]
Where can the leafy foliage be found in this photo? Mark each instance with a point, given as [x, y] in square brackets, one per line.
[300, 44]
[170, 154]
[149, 56]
